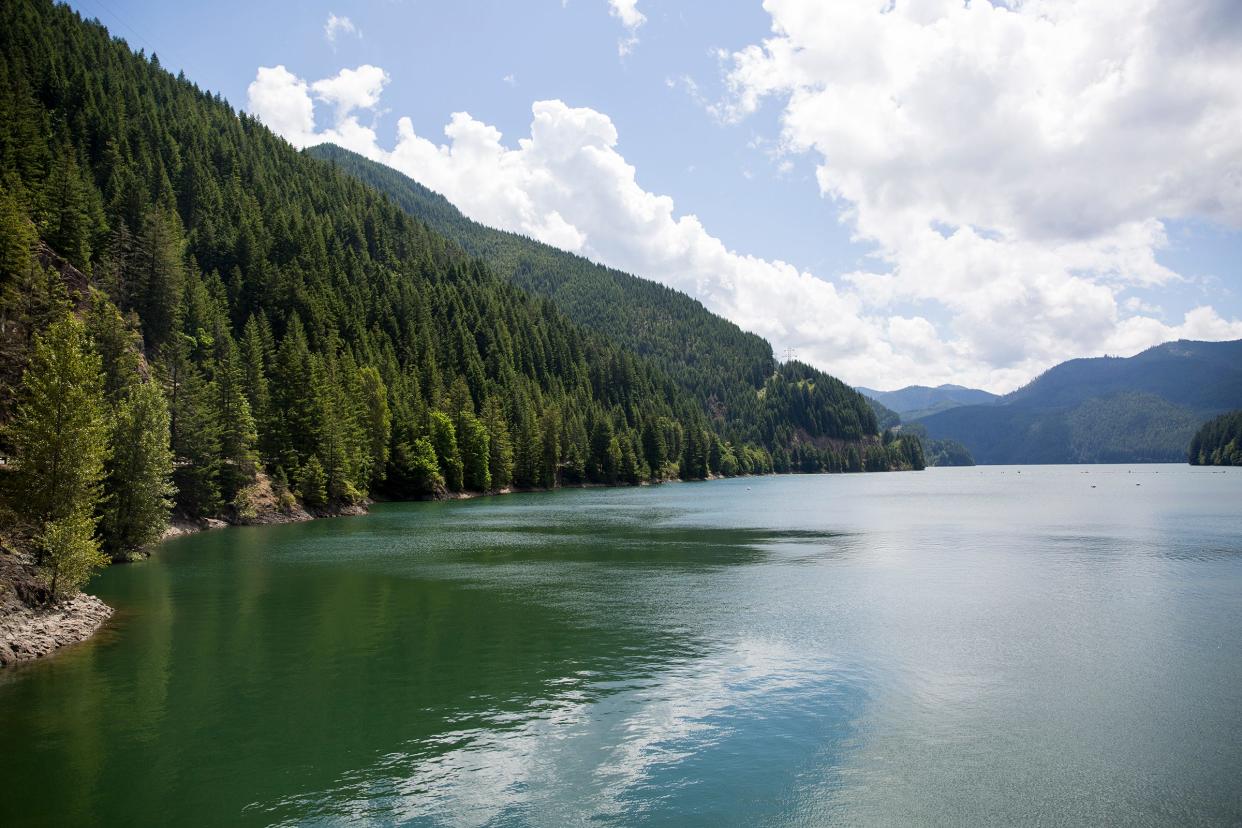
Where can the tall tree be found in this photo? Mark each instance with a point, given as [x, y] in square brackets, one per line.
[60, 441]
[377, 420]
[159, 275]
[444, 439]
[234, 423]
[139, 481]
[193, 431]
[500, 444]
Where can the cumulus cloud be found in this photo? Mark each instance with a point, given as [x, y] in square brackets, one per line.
[283, 101]
[986, 296]
[352, 89]
[631, 18]
[1013, 164]
[339, 25]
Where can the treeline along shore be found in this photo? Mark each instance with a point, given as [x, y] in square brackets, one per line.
[199, 323]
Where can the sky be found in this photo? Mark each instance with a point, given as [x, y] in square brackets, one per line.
[901, 191]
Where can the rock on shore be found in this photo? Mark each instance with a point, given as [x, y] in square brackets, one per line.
[27, 633]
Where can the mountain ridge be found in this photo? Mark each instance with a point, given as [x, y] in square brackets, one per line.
[1143, 408]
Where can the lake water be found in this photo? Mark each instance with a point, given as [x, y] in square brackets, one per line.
[1049, 645]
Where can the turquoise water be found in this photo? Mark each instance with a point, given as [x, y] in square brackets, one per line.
[977, 646]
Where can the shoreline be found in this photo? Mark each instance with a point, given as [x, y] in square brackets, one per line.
[28, 633]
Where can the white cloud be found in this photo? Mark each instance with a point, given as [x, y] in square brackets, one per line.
[338, 25]
[1013, 164]
[282, 100]
[352, 89]
[631, 18]
[996, 303]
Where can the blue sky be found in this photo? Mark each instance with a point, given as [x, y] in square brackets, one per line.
[732, 121]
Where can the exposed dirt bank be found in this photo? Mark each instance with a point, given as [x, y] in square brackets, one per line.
[30, 627]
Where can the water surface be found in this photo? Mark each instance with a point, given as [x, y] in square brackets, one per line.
[1044, 645]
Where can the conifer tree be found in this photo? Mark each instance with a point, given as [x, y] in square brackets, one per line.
[234, 423]
[194, 432]
[313, 483]
[139, 482]
[475, 450]
[116, 344]
[159, 275]
[500, 444]
[72, 215]
[377, 420]
[255, 358]
[444, 439]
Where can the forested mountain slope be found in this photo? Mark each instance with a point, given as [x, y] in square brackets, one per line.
[1218, 442]
[212, 307]
[1143, 408]
[720, 364]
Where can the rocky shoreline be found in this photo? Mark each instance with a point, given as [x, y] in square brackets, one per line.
[27, 633]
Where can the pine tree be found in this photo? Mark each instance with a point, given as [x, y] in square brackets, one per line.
[547, 472]
[116, 343]
[139, 482]
[313, 483]
[159, 275]
[60, 441]
[377, 420]
[292, 437]
[255, 358]
[233, 421]
[444, 439]
[654, 449]
[475, 449]
[500, 444]
[72, 216]
[193, 429]
[17, 238]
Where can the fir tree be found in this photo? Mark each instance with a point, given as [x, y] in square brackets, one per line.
[500, 444]
[193, 430]
[475, 449]
[139, 482]
[444, 440]
[377, 421]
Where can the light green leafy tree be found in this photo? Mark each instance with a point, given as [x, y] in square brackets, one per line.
[60, 441]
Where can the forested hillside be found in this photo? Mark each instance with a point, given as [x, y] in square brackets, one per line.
[1218, 442]
[1139, 409]
[195, 315]
[721, 365]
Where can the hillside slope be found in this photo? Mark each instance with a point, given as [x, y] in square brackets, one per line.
[731, 372]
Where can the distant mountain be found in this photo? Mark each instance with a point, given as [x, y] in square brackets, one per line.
[1144, 408]
[915, 401]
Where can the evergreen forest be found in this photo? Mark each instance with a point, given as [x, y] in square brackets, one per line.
[196, 319]
[1218, 442]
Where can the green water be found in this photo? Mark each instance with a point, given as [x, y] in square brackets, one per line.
[959, 646]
